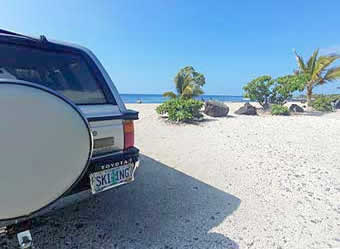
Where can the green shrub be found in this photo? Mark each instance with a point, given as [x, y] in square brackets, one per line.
[323, 103]
[285, 87]
[266, 90]
[181, 109]
[279, 110]
[334, 97]
[259, 90]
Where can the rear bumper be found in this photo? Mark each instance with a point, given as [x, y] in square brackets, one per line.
[105, 162]
[82, 190]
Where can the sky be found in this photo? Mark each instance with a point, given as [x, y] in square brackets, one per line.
[143, 44]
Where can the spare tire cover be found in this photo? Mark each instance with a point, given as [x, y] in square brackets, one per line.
[45, 147]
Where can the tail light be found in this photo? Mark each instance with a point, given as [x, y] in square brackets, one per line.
[129, 134]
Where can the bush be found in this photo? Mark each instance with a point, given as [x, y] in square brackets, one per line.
[181, 109]
[259, 90]
[285, 87]
[279, 110]
[323, 103]
[334, 97]
[266, 90]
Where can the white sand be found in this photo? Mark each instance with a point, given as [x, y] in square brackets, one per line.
[284, 170]
[237, 182]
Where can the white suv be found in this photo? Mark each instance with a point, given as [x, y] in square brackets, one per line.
[75, 75]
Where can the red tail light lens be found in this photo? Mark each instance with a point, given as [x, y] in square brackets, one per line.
[129, 134]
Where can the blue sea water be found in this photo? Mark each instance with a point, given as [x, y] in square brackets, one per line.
[158, 98]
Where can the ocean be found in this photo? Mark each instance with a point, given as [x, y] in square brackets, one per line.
[158, 98]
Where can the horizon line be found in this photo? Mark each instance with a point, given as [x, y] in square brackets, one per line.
[200, 95]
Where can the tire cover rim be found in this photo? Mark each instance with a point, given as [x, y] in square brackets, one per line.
[45, 148]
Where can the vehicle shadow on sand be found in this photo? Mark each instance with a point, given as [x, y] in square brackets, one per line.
[163, 208]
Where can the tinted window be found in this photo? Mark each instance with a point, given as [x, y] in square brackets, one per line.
[66, 73]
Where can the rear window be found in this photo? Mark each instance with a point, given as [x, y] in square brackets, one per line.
[66, 73]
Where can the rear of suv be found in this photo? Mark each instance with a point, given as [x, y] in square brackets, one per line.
[75, 73]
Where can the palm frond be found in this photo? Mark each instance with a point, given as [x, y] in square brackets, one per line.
[312, 61]
[322, 63]
[300, 62]
[188, 79]
[171, 95]
[331, 74]
[188, 91]
[179, 81]
[188, 82]
[196, 90]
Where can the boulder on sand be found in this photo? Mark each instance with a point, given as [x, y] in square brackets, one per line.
[336, 104]
[295, 108]
[216, 109]
[247, 109]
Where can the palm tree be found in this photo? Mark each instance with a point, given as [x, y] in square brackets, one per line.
[317, 71]
[188, 83]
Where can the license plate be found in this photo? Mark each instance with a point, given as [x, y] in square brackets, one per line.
[106, 179]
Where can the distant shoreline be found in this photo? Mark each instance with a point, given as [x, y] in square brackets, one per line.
[158, 98]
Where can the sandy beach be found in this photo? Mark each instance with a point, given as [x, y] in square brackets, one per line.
[235, 182]
[284, 171]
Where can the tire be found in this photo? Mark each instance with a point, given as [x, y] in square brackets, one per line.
[45, 148]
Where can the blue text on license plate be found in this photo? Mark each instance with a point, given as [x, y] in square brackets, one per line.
[110, 178]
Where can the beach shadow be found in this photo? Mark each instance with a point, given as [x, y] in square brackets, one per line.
[313, 113]
[208, 119]
[163, 208]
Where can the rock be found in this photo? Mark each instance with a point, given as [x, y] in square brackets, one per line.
[247, 109]
[216, 109]
[336, 104]
[295, 108]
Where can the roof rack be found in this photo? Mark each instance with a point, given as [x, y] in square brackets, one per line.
[42, 37]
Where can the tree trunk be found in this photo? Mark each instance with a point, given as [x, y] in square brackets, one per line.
[309, 95]
[265, 106]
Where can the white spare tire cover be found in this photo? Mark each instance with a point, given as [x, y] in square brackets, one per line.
[45, 147]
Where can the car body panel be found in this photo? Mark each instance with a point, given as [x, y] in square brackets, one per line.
[105, 120]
